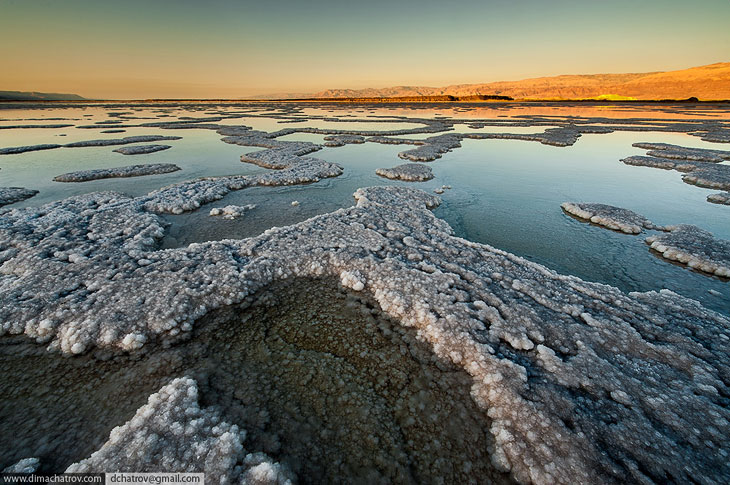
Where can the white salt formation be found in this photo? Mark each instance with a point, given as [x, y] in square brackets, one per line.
[231, 211]
[366, 345]
[703, 167]
[18, 127]
[694, 247]
[721, 198]
[26, 465]
[31, 148]
[342, 140]
[10, 195]
[172, 433]
[676, 152]
[126, 171]
[141, 149]
[432, 148]
[90, 143]
[120, 141]
[703, 174]
[411, 172]
[609, 216]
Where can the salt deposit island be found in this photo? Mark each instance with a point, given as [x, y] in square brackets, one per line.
[365, 345]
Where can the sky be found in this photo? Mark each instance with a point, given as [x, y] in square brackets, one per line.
[139, 49]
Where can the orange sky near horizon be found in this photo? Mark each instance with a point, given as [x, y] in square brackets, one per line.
[228, 49]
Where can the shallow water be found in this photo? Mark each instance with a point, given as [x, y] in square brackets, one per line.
[506, 193]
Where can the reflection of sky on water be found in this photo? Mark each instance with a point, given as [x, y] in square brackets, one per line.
[506, 193]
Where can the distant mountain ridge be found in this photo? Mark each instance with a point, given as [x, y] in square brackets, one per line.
[710, 82]
[35, 96]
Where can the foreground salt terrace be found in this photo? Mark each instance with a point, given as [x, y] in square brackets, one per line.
[616, 218]
[368, 344]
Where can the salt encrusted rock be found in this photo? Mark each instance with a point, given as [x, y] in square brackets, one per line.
[17, 127]
[694, 247]
[710, 176]
[284, 157]
[342, 140]
[31, 148]
[432, 148]
[186, 196]
[26, 465]
[231, 211]
[126, 171]
[575, 382]
[411, 172]
[715, 135]
[560, 137]
[10, 195]
[676, 152]
[294, 203]
[173, 433]
[120, 141]
[394, 141]
[702, 174]
[141, 149]
[609, 216]
[721, 198]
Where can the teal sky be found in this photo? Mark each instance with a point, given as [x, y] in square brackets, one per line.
[152, 48]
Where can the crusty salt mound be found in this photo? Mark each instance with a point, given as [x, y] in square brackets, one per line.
[172, 432]
[285, 158]
[18, 127]
[26, 465]
[694, 247]
[141, 149]
[721, 198]
[126, 171]
[120, 141]
[703, 166]
[342, 140]
[10, 195]
[609, 216]
[703, 174]
[29, 148]
[91, 143]
[231, 211]
[432, 148]
[365, 345]
[411, 172]
[676, 152]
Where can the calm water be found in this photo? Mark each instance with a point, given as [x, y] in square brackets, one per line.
[506, 193]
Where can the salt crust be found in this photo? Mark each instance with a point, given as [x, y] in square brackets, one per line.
[141, 149]
[694, 247]
[581, 382]
[171, 432]
[411, 172]
[116, 172]
[10, 195]
[231, 211]
[612, 217]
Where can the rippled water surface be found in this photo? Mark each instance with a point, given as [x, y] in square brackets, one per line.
[506, 193]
